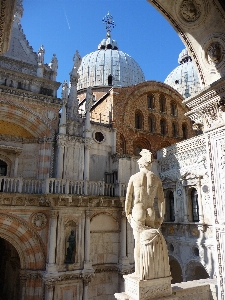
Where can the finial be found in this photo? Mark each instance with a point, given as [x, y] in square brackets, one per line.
[108, 20]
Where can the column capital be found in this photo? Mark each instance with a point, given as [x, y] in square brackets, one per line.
[54, 214]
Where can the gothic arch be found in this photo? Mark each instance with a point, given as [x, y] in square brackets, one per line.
[25, 118]
[140, 143]
[113, 221]
[27, 243]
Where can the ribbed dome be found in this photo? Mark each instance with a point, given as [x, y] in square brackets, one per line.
[184, 78]
[109, 67]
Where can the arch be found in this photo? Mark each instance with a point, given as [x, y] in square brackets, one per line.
[25, 118]
[97, 220]
[139, 144]
[7, 161]
[27, 243]
[184, 131]
[174, 129]
[162, 103]
[139, 120]
[151, 123]
[151, 100]
[163, 128]
[110, 80]
[194, 270]
[3, 168]
[175, 269]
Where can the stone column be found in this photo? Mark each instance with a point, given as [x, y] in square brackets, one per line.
[49, 291]
[86, 280]
[16, 165]
[23, 281]
[61, 141]
[51, 268]
[87, 242]
[185, 204]
[200, 206]
[64, 95]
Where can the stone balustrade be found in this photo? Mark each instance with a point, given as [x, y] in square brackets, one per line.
[61, 186]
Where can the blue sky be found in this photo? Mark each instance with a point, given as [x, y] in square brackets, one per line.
[64, 26]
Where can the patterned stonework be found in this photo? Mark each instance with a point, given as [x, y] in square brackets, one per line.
[39, 220]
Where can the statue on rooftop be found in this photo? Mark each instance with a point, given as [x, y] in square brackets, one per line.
[145, 208]
[41, 53]
[54, 63]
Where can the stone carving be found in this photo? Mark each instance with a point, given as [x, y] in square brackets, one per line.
[189, 10]
[39, 220]
[41, 53]
[72, 246]
[145, 194]
[54, 63]
[214, 53]
[65, 89]
[89, 99]
[77, 62]
[51, 115]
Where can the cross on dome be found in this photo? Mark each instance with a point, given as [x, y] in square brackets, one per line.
[108, 20]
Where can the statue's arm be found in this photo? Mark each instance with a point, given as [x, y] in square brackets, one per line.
[129, 197]
[161, 200]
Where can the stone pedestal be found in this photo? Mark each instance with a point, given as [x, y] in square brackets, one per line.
[136, 289]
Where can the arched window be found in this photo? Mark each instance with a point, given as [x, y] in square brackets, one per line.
[110, 80]
[150, 100]
[162, 103]
[195, 207]
[184, 131]
[171, 207]
[173, 109]
[174, 129]
[138, 120]
[139, 144]
[163, 126]
[151, 123]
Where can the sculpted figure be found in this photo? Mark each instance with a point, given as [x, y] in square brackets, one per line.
[54, 63]
[145, 208]
[77, 62]
[72, 246]
[89, 99]
[215, 53]
[41, 53]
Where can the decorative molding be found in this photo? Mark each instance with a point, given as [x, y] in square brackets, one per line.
[39, 220]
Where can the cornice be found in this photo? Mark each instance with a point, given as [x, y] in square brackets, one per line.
[30, 96]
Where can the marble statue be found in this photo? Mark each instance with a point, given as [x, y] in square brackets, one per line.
[145, 208]
[41, 53]
[54, 63]
[72, 246]
[89, 99]
[77, 62]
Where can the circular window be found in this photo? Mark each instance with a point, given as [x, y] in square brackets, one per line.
[99, 137]
[196, 251]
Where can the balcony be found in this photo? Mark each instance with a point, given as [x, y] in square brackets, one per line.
[61, 186]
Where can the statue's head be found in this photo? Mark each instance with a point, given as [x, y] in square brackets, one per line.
[72, 232]
[145, 160]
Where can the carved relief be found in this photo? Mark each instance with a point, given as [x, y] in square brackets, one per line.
[214, 53]
[51, 115]
[190, 10]
[39, 220]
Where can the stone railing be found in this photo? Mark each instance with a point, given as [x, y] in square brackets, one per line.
[61, 186]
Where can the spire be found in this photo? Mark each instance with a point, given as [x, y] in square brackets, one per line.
[18, 11]
[109, 23]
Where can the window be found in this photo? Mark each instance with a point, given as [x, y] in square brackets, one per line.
[174, 129]
[3, 168]
[171, 207]
[162, 103]
[151, 124]
[138, 120]
[163, 127]
[110, 80]
[195, 208]
[150, 100]
[173, 109]
[99, 137]
[184, 131]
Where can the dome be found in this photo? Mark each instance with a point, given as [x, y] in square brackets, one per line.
[184, 78]
[108, 66]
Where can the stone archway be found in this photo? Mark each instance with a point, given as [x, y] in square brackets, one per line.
[176, 271]
[9, 271]
[195, 271]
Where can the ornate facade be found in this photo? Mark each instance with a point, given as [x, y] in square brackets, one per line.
[63, 232]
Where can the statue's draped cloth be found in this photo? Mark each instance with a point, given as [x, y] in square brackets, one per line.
[153, 252]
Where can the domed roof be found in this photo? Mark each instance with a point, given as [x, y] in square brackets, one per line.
[108, 66]
[184, 78]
